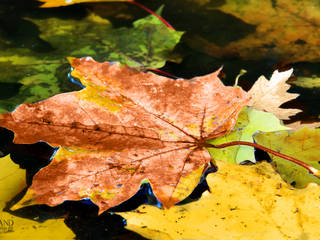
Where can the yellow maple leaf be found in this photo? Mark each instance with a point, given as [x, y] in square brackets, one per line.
[245, 203]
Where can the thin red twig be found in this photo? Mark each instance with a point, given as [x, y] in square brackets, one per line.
[311, 169]
[153, 13]
[162, 72]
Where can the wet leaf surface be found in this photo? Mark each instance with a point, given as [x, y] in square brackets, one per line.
[244, 202]
[132, 126]
[303, 145]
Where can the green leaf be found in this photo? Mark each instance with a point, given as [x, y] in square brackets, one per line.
[248, 123]
[302, 145]
[30, 76]
[27, 79]
[147, 44]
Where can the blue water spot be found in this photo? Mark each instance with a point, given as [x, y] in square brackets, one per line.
[15, 108]
[54, 153]
[111, 63]
[143, 196]
[124, 222]
[74, 80]
[87, 201]
[119, 185]
[201, 187]
[152, 200]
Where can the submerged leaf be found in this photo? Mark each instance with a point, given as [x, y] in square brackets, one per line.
[12, 181]
[244, 202]
[307, 82]
[249, 122]
[147, 44]
[124, 127]
[286, 30]
[39, 75]
[302, 145]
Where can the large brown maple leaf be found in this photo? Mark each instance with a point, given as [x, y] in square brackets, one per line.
[124, 127]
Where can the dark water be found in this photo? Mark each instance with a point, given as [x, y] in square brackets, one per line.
[198, 21]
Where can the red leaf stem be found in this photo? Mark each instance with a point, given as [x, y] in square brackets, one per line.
[153, 13]
[162, 72]
[311, 169]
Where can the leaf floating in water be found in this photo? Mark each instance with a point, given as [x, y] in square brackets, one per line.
[303, 144]
[245, 202]
[148, 126]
